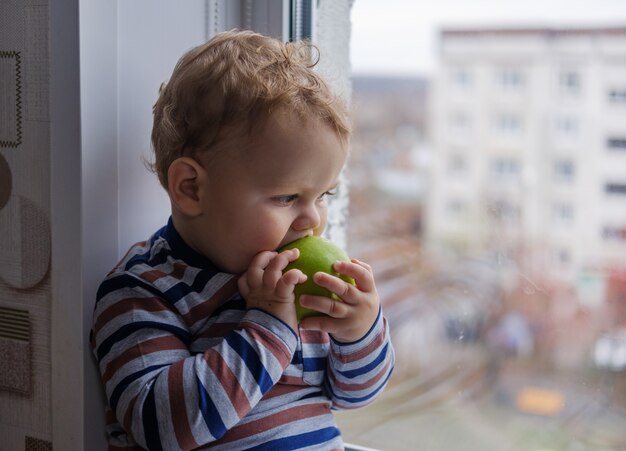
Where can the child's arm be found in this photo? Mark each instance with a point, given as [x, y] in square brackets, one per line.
[164, 395]
[357, 372]
[362, 357]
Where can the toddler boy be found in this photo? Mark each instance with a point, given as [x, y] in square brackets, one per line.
[194, 331]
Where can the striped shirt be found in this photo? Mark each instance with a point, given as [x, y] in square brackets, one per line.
[185, 365]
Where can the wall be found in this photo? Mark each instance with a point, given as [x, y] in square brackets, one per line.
[25, 290]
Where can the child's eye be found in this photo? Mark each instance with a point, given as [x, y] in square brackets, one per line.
[330, 192]
[286, 200]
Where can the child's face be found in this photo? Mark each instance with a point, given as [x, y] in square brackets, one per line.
[271, 192]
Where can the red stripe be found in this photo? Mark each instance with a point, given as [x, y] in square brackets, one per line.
[346, 387]
[282, 388]
[313, 337]
[178, 407]
[269, 422]
[292, 380]
[362, 353]
[133, 249]
[229, 382]
[178, 272]
[147, 304]
[128, 415]
[109, 416]
[206, 308]
[270, 342]
[143, 348]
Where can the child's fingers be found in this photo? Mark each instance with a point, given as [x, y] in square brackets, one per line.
[286, 284]
[274, 270]
[260, 262]
[327, 306]
[254, 274]
[359, 271]
[346, 291]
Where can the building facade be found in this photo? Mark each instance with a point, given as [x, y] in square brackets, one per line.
[529, 138]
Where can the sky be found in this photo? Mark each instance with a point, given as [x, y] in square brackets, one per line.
[399, 37]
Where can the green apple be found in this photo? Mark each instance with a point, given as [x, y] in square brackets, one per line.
[317, 254]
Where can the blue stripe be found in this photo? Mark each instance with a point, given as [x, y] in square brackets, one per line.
[121, 386]
[128, 329]
[125, 281]
[202, 278]
[252, 361]
[299, 441]
[351, 374]
[354, 400]
[309, 363]
[297, 358]
[211, 415]
[315, 364]
[177, 292]
[140, 259]
[151, 423]
[182, 289]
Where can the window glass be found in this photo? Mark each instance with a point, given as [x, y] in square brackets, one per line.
[510, 80]
[569, 81]
[501, 267]
[566, 124]
[617, 96]
[564, 170]
[616, 143]
[507, 123]
[460, 78]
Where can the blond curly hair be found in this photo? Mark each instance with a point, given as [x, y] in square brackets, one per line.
[229, 86]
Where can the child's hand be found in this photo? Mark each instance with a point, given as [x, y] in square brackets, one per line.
[351, 319]
[264, 286]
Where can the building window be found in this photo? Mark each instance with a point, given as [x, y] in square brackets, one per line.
[616, 143]
[615, 188]
[617, 95]
[564, 170]
[614, 233]
[505, 168]
[461, 79]
[566, 125]
[569, 82]
[508, 123]
[510, 80]
[562, 213]
[562, 256]
[504, 211]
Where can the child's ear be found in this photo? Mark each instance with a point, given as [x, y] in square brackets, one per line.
[184, 178]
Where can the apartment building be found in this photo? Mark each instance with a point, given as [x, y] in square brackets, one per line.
[529, 138]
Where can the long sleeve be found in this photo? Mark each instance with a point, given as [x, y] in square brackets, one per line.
[357, 372]
[172, 380]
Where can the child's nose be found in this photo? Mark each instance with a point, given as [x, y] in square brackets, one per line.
[309, 218]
